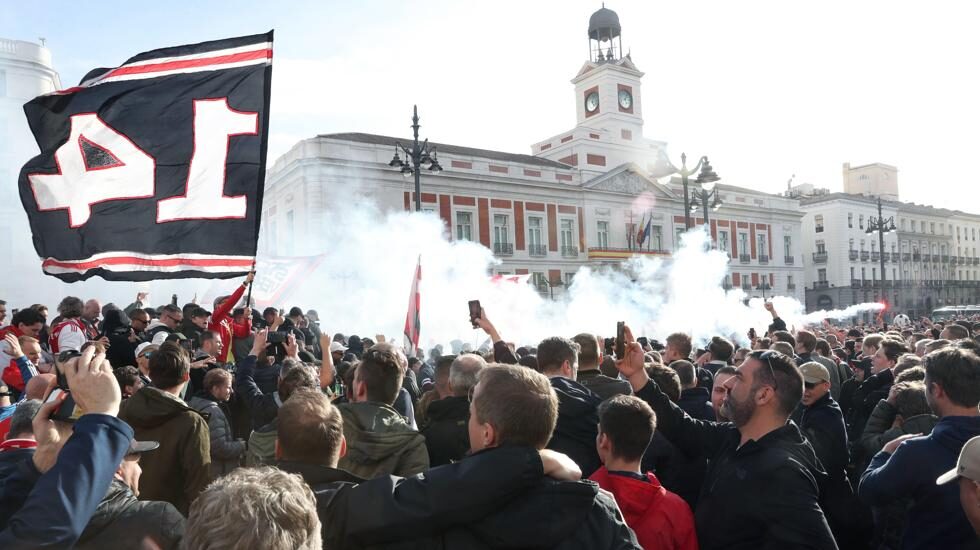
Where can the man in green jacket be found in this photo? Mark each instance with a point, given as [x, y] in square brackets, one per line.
[179, 470]
[380, 441]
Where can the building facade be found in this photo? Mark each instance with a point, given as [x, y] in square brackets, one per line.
[930, 259]
[579, 199]
[26, 72]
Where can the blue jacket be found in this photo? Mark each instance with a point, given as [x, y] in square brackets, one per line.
[936, 519]
[58, 505]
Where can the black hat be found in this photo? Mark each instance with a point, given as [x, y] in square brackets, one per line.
[136, 447]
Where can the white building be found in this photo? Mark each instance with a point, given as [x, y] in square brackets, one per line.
[577, 200]
[25, 73]
[930, 260]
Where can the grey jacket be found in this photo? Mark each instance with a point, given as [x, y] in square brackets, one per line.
[226, 451]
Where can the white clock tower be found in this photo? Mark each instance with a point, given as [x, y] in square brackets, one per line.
[609, 108]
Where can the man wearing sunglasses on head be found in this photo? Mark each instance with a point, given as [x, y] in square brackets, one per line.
[763, 482]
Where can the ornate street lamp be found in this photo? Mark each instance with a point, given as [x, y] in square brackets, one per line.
[706, 179]
[421, 155]
[882, 227]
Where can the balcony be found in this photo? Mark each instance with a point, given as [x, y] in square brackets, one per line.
[569, 252]
[537, 250]
[819, 229]
[852, 254]
[821, 285]
[606, 253]
[916, 257]
[746, 286]
[895, 256]
[503, 249]
[819, 257]
[866, 283]
[906, 257]
[865, 256]
[874, 257]
[790, 260]
[791, 286]
[744, 258]
[945, 258]
[855, 283]
[763, 259]
[976, 261]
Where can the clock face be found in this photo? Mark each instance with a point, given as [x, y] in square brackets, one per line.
[592, 102]
[625, 99]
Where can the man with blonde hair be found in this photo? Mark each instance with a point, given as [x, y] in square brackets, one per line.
[255, 508]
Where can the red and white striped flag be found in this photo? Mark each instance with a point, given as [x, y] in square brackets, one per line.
[413, 324]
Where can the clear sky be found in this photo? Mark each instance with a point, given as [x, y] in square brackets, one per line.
[767, 89]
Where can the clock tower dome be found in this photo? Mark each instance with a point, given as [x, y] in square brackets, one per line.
[609, 107]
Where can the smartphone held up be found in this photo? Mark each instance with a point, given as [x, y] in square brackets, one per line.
[476, 312]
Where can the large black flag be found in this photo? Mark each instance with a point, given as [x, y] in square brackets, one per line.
[154, 169]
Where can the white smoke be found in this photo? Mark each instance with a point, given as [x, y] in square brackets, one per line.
[363, 287]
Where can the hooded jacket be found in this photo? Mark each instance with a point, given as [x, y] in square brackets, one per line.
[178, 470]
[577, 426]
[602, 385]
[660, 519]
[380, 442]
[936, 518]
[446, 432]
[117, 329]
[226, 451]
[763, 494]
[121, 521]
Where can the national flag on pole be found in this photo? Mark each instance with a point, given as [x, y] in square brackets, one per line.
[646, 230]
[641, 235]
[413, 324]
[153, 169]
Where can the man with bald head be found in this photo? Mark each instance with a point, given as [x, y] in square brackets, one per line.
[90, 316]
[446, 435]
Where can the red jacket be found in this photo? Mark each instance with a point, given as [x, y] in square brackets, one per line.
[660, 519]
[222, 324]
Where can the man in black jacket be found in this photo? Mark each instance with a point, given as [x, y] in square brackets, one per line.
[490, 497]
[763, 481]
[578, 419]
[446, 435]
[588, 370]
[694, 400]
[822, 423]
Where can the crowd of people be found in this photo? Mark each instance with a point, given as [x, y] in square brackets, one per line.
[179, 427]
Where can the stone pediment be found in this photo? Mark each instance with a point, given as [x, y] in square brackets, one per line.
[628, 179]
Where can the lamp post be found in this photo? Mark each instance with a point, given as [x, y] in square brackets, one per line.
[421, 155]
[709, 178]
[706, 179]
[881, 226]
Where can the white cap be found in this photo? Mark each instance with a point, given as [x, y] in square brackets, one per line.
[141, 347]
[337, 346]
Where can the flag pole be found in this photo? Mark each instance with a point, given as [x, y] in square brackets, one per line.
[248, 299]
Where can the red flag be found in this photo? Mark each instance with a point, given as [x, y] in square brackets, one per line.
[413, 323]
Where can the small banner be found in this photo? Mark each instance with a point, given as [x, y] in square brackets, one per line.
[413, 323]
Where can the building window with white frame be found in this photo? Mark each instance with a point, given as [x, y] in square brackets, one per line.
[723, 243]
[657, 237]
[566, 235]
[602, 234]
[788, 246]
[743, 244]
[850, 220]
[464, 226]
[501, 235]
[534, 225]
